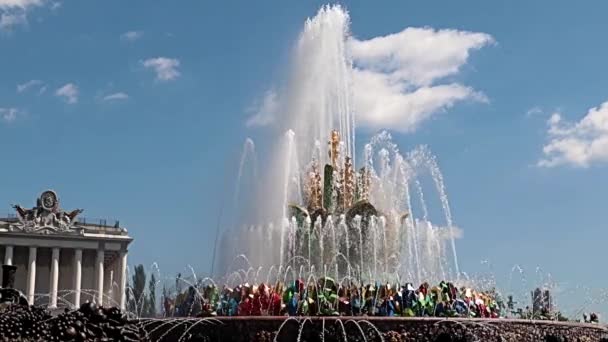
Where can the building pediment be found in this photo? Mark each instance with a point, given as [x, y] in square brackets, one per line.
[46, 217]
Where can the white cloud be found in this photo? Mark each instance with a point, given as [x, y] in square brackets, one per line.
[116, 97]
[131, 36]
[14, 12]
[401, 80]
[9, 20]
[30, 84]
[397, 78]
[418, 56]
[20, 4]
[534, 111]
[451, 232]
[9, 115]
[381, 104]
[578, 144]
[165, 68]
[265, 111]
[69, 92]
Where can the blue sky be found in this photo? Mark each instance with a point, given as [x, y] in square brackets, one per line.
[139, 113]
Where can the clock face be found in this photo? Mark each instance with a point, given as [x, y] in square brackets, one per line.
[48, 200]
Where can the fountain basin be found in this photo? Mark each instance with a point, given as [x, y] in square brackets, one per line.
[269, 328]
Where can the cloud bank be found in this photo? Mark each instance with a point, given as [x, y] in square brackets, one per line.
[13, 13]
[401, 80]
[577, 144]
[397, 78]
[21, 4]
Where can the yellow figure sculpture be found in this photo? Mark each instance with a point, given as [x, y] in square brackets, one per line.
[348, 183]
[334, 150]
[364, 184]
[314, 187]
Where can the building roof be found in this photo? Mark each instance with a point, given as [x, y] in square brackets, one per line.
[48, 219]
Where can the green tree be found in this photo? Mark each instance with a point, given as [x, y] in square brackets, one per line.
[152, 296]
[164, 309]
[139, 286]
[560, 317]
[129, 302]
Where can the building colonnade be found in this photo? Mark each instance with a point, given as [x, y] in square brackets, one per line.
[106, 274]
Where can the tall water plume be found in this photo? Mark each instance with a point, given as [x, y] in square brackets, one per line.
[247, 154]
[318, 96]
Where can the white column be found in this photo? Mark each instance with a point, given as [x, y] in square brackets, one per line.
[110, 298]
[31, 276]
[99, 274]
[54, 277]
[8, 255]
[77, 276]
[122, 285]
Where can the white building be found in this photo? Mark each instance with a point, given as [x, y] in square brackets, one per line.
[62, 260]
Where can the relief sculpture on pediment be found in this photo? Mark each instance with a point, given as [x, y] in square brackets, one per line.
[46, 216]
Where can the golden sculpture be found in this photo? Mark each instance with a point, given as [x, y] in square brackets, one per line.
[364, 184]
[314, 187]
[340, 186]
[334, 150]
[348, 184]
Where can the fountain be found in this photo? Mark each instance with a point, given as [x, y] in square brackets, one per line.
[338, 226]
[352, 222]
[320, 209]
